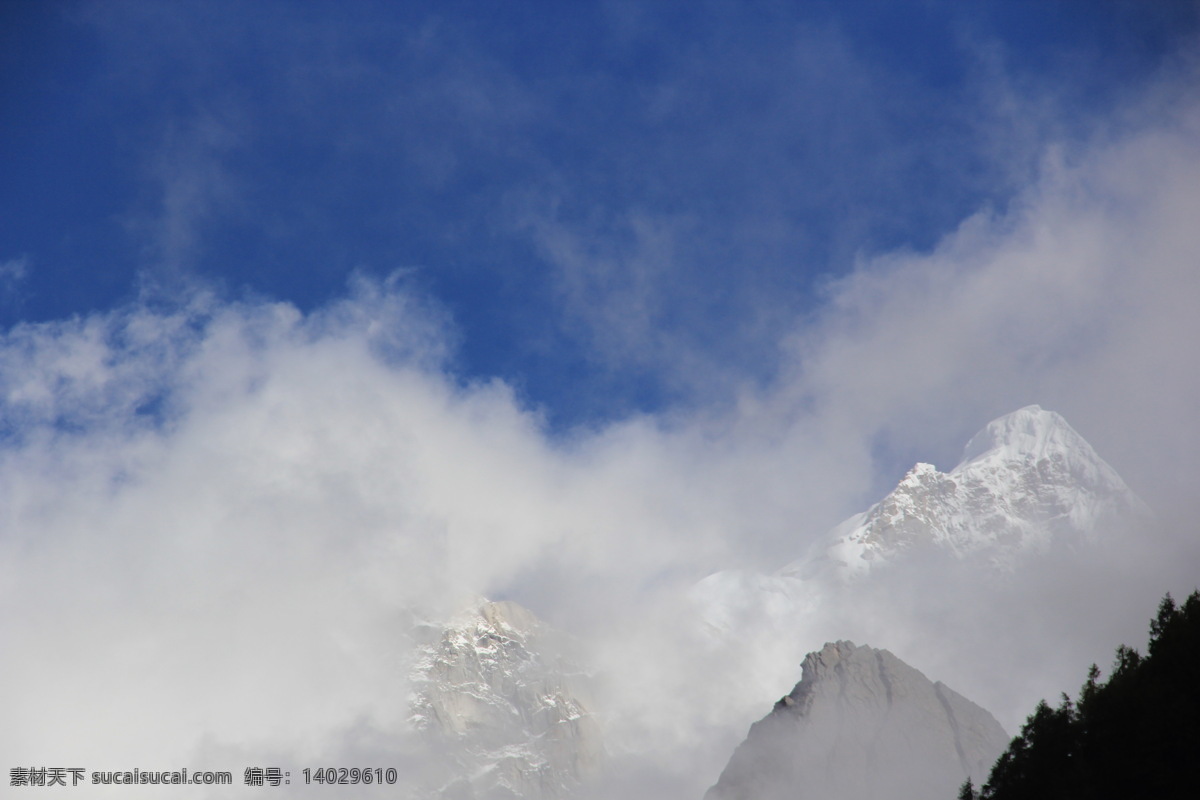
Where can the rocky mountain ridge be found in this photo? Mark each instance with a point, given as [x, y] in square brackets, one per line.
[498, 693]
[862, 725]
[1026, 482]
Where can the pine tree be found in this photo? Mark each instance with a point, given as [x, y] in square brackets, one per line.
[1134, 735]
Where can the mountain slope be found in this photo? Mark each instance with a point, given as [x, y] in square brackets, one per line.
[861, 725]
[498, 694]
[1026, 482]
[1029, 525]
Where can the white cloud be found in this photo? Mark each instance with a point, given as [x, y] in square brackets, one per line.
[12, 274]
[14, 269]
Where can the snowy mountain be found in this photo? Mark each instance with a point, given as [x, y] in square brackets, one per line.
[506, 708]
[1026, 482]
[498, 694]
[862, 725]
[963, 567]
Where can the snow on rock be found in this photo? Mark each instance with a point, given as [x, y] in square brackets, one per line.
[1027, 481]
[499, 694]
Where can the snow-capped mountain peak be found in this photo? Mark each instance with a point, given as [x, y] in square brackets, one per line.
[1027, 480]
[1029, 431]
[1032, 434]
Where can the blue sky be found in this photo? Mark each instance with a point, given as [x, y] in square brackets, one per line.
[622, 206]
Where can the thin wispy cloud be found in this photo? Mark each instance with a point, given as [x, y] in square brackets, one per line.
[13, 273]
[14, 269]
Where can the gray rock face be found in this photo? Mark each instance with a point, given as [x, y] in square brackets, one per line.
[863, 725]
[497, 694]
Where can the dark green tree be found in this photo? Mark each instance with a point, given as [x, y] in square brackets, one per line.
[1135, 735]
